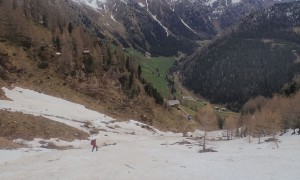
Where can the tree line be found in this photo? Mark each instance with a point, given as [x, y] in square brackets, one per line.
[259, 117]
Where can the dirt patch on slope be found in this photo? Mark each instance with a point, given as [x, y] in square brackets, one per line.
[18, 125]
[7, 144]
[51, 145]
[2, 95]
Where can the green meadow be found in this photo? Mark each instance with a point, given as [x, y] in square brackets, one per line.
[154, 69]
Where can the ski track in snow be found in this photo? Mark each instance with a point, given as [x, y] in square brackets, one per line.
[129, 152]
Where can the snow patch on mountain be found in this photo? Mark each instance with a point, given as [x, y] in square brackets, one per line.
[124, 2]
[141, 4]
[112, 17]
[154, 17]
[188, 26]
[95, 4]
[210, 2]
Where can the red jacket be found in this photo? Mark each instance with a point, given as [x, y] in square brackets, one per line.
[93, 142]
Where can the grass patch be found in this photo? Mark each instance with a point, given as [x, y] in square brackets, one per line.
[188, 110]
[194, 105]
[134, 53]
[227, 113]
[154, 69]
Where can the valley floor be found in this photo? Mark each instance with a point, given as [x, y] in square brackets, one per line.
[127, 150]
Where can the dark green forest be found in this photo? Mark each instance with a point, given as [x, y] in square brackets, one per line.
[257, 58]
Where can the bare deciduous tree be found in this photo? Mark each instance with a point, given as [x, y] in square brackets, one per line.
[206, 117]
[230, 124]
[272, 117]
[258, 125]
[254, 104]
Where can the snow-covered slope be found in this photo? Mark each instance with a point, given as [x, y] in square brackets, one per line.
[137, 157]
[75, 115]
[31, 102]
[128, 151]
[95, 4]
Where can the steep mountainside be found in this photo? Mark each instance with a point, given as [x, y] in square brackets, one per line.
[164, 27]
[257, 58]
[53, 47]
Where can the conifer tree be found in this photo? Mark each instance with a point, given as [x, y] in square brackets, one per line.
[139, 71]
[70, 27]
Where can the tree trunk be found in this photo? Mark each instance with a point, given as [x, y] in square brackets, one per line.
[249, 138]
[204, 140]
[294, 131]
[227, 135]
[275, 140]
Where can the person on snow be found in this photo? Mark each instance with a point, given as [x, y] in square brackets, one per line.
[93, 143]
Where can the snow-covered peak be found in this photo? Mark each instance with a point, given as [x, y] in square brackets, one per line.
[95, 4]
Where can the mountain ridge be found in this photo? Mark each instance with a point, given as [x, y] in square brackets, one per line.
[256, 58]
[154, 25]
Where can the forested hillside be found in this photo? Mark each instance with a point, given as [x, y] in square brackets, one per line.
[52, 47]
[257, 58]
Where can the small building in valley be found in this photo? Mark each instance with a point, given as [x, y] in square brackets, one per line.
[224, 109]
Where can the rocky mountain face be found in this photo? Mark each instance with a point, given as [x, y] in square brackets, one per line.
[165, 27]
[259, 57]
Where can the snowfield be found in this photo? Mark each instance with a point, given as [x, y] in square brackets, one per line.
[128, 151]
